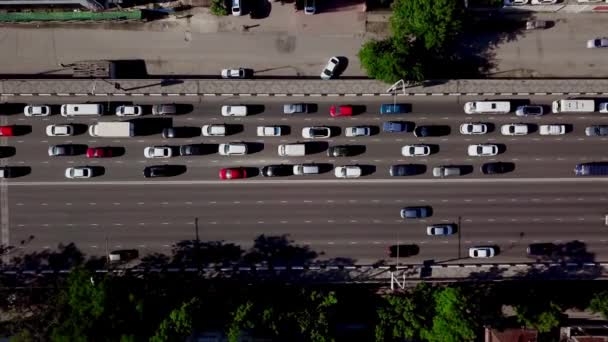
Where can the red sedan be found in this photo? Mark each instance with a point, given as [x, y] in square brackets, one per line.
[7, 131]
[99, 152]
[233, 173]
[336, 111]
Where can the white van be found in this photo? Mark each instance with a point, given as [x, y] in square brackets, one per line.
[85, 109]
[552, 129]
[487, 107]
[292, 150]
[573, 106]
[305, 169]
[234, 110]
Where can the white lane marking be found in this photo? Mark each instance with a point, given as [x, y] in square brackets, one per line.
[116, 203]
[92, 203]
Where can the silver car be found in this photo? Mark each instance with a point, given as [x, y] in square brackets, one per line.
[596, 131]
[597, 43]
[473, 128]
[33, 110]
[330, 68]
[441, 229]
[78, 172]
[358, 131]
[446, 171]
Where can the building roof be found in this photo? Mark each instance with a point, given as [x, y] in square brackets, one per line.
[511, 335]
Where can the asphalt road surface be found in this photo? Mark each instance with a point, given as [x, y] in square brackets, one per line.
[350, 221]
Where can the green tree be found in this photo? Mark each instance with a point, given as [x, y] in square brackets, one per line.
[540, 315]
[218, 8]
[178, 324]
[383, 61]
[454, 319]
[241, 319]
[433, 24]
[599, 303]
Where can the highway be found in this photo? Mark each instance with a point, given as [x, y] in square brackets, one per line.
[349, 221]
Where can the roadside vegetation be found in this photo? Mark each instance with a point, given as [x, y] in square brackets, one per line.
[85, 306]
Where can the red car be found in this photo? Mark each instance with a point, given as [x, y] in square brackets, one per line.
[233, 173]
[99, 152]
[336, 111]
[6, 131]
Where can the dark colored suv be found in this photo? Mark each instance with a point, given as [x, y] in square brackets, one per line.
[406, 170]
[340, 151]
[541, 249]
[402, 250]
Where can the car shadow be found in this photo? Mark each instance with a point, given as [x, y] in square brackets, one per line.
[20, 171]
[255, 109]
[233, 129]
[491, 127]
[176, 170]
[252, 172]
[532, 128]
[12, 108]
[357, 150]
[342, 65]
[374, 130]
[7, 151]
[434, 148]
[367, 170]
[117, 151]
[98, 171]
[325, 167]
[188, 132]
[569, 128]
[80, 128]
[19, 130]
[358, 109]
[285, 129]
[182, 109]
[151, 126]
[254, 147]
[334, 131]
[464, 169]
[313, 147]
[502, 148]
[312, 108]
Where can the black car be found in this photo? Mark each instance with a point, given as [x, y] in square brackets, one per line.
[191, 150]
[276, 170]
[7, 172]
[402, 250]
[158, 171]
[431, 131]
[405, 170]
[496, 168]
[541, 249]
[178, 132]
[341, 151]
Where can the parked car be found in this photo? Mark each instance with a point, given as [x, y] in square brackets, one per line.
[62, 150]
[543, 2]
[348, 171]
[495, 168]
[428, 131]
[99, 152]
[177, 132]
[8, 172]
[473, 128]
[514, 129]
[35, 110]
[78, 172]
[402, 250]
[482, 150]
[596, 130]
[394, 108]
[330, 68]
[233, 173]
[482, 252]
[529, 110]
[319, 132]
[164, 109]
[158, 152]
[217, 130]
[129, 111]
[397, 126]
[536, 24]
[603, 107]
[415, 212]
[358, 131]
[59, 130]
[416, 150]
[7, 131]
[236, 8]
[232, 149]
[541, 250]
[310, 7]
[404, 170]
[554, 129]
[446, 171]
[295, 108]
[191, 150]
[269, 131]
[597, 43]
[336, 111]
[236, 73]
[276, 170]
[441, 229]
[159, 171]
[340, 151]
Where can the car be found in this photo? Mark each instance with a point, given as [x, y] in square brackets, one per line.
[415, 212]
[234, 73]
[482, 252]
[218, 130]
[232, 149]
[515, 2]
[295, 108]
[336, 111]
[529, 110]
[545, 249]
[347, 171]
[330, 68]
[446, 171]
[7, 131]
[495, 168]
[358, 131]
[441, 229]
[178, 132]
[415, 150]
[543, 2]
[603, 106]
[320, 132]
[233, 173]
[482, 150]
[554, 129]
[78, 172]
[402, 250]
[597, 43]
[340, 151]
[158, 171]
[99, 152]
[164, 109]
[596, 130]
[397, 126]
[59, 130]
[473, 128]
[306, 169]
[514, 129]
[8, 172]
[123, 255]
[236, 8]
[427, 131]
[34, 110]
[310, 7]
[62, 150]
[404, 170]
[234, 110]
[276, 170]
[394, 108]
[269, 131]
[191, 150]
[128, 111]
[158, 152]
[537, 24]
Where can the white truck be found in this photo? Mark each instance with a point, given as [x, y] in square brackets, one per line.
[115, 129]
[573, 106]
[292, 150]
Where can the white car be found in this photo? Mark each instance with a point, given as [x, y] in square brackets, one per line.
[473, 128]
[347, 171]
[358, 131]
[214, 130]
[269, 131]
[59, 130]
[597, 43]
[128, 111]
[515, 2]
[482, 252]
[158, 152]
[416, 150]
[514, 129]
[33, 110]
[78, 172]
[543, 2]
[234, 73]
[604, 107]
[482, 150]
[319, 132]
[330, 68]
[232, 149]
[552, 129]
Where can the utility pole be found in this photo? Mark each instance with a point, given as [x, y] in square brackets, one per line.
[395, 87]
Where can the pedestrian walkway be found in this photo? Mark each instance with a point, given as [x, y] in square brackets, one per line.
[299, 88]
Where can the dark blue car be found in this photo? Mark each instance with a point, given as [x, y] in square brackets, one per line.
[396, 126]
[397, 108]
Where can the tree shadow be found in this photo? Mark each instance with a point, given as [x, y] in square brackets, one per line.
[278, 250]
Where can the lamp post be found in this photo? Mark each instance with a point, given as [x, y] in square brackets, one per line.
[395, 87]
